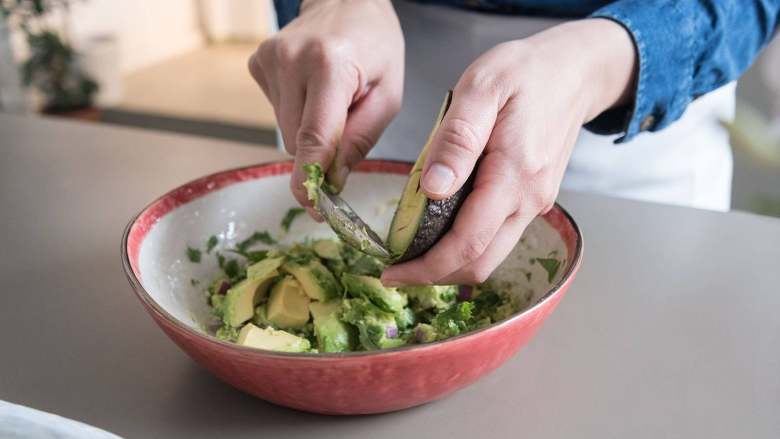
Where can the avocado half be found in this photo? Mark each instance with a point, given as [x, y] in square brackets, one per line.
[420, 222]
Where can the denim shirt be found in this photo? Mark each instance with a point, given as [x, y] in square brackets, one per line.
[685, 48]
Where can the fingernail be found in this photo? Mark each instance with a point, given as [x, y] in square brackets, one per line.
[341, 177]
[391, 283]
[438, 179]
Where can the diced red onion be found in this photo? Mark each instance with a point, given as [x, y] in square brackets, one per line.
[464, 292]
[223, 289]
[391, 332]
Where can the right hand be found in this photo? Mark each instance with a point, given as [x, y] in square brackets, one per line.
[334, 76]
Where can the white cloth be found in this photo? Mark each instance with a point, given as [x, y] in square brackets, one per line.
[19, 422]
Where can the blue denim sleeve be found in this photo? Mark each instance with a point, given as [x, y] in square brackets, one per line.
[685, 49]
[286, 10]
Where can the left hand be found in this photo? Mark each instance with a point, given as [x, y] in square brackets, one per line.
[521, 106]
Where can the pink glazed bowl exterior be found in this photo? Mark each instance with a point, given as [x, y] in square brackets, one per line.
[356, 382]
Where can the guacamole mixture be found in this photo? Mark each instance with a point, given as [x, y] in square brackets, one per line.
[324, 296]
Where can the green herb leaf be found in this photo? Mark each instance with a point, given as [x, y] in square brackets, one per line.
[193, 255]
[258, 237]
[252, 256]
[231, 268]
[454, 320]
[220, 260]
[194, 282]
[550, 265]
[211, 243]
[290, 216]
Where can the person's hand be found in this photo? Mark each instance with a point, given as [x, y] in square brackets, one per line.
[520, 106]
[334, 76]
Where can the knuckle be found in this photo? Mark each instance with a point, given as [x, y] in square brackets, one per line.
[254, 67]
[534, 164]
[309, 139]
[483, 81]
[266, 52]
[459, 136]
[473, 247]
[283, 53]
[324, 52]
[543, 195]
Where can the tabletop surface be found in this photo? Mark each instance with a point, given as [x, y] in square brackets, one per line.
[671, 329]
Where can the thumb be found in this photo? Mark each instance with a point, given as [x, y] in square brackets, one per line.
[367, 118]
[459, 140]
[322, 122]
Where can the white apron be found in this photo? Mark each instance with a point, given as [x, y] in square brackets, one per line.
[688, 163]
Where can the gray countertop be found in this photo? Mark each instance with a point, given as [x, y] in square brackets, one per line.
[671, 329]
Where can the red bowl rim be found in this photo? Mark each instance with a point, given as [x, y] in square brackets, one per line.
[366, 165]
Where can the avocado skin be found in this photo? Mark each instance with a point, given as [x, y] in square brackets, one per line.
[436, 221]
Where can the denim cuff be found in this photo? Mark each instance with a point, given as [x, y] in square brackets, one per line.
[286, 11]
[663, 37]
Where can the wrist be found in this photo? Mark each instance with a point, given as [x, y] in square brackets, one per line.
[611, 64]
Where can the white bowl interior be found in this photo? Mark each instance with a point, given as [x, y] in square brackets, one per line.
[234, 212]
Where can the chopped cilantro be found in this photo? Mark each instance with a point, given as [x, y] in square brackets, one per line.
[256, 256]
[290, 216]
[193, 254]
[550, 265]
[211, 243]
[231, 268]
[258, 237]
[454, 320]
[220, 260]
[194, 282]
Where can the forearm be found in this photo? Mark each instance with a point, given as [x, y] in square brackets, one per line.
[684, 50]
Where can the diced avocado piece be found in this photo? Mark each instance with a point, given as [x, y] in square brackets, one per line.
[288, 305]
[361, 263]
[261, 316]
[240, 300]
[367, 265]
[371, 288]
[217, 301]
[377, 329]
[327, 249]
[332, 334]
[263, 268]
[438, 297]
[271, 339]
[317, 281]
[424, 333]
[227, 333]
[405, 318]
[419, 222]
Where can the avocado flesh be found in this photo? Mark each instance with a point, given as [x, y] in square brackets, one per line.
[332, 334]
[239, 303]
[271, 339]
[317, 281]
[288, 305]
[371, 288]
[420, 222]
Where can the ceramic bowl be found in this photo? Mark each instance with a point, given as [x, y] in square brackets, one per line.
[234, 203]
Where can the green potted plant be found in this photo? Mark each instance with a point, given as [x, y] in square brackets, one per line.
[52, 67]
